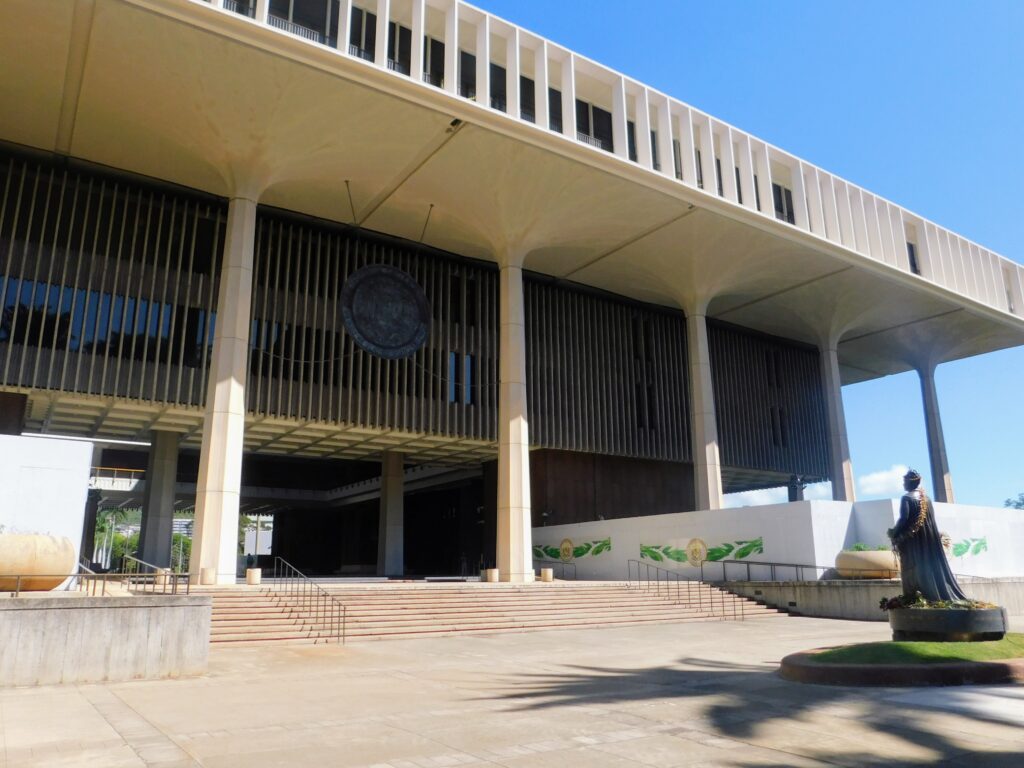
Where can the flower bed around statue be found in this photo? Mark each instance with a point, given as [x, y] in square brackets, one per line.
[914, 618]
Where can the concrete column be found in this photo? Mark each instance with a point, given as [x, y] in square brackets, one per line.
[942, 482]
[380, 53]
[728, 157]
[707, 155]
[219, 484]
[512, 74]
[541, 85]
[515, 532]
[687, 147]
[569, 97]
[665, 148]
[706, 467]
[262, 11]
[451, 48]
[158, 499]
[92, 508]
[644, 155]
[344, 24]
[390, 541]
[483, 61]
[800, 214]
[620, 119]
[419, 27]
[840, 466]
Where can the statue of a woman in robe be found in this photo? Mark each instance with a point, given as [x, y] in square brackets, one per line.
[917, 541]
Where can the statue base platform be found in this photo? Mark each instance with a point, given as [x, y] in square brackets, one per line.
[948, 625]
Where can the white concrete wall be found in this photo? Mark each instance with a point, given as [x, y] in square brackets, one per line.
[45, 482]
[806, 533]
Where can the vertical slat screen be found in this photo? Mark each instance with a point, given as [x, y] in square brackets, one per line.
[769, 402]
[605, 376]
[107, 286]
[305, 366]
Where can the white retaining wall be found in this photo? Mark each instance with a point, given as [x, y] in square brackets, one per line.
[805, 532]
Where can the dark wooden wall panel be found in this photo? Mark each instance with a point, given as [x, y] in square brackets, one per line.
[572, 487]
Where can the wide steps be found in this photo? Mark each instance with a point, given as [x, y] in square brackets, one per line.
[262, 616]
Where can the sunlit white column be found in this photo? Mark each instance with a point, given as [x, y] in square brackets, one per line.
[380, 53]
[262, 11]
[665, 146]
[815, 211]
[219, 483]
[569, 95]
[687, 154]
[451, 47]
[512, 74]
[800, 216]
[643, 130]
[728, 166]
[745, 161]
[515, 532]
[541, 85]
[419, 26]
[707, 155]
[620, 118]
[483, 61]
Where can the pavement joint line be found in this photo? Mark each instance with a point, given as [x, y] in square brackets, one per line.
[154, 747]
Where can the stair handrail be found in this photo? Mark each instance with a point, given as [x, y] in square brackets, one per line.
[563, 565]
[799, 568]
[140, 576]
[668, 582]
[312, 598]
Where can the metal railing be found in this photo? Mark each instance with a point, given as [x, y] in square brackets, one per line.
[243, 7]
[593, 141]
[322, 611]
[435, 80]
[691, 593]
[772, 571]
[564, 568]
[399, 67]
[139, 576]
[298, 29]
[755, 571]
[360, 53]
[92, 584]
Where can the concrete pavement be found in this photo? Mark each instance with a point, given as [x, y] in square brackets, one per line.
[671, 695]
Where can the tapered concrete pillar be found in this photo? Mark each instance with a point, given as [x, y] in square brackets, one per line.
[158, 500]
[390, 541]
[218, 487]
[942, 482]
[840, 466]
[515, 533]
[707, 468]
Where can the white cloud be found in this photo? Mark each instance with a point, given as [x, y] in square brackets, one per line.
[886, 482]
[755, 498]
[774, 496]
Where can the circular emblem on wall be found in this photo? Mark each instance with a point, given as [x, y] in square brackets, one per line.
[696, 552]
[385, 311]
[565, 550]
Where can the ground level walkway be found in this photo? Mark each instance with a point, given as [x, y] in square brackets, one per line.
[668, 695]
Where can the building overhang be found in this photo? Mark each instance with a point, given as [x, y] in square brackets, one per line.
[178, 91]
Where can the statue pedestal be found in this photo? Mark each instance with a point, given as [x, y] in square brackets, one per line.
[950, 625]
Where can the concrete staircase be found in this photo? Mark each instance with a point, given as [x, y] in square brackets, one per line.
[377, 611]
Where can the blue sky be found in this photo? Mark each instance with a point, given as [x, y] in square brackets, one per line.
[920, 102]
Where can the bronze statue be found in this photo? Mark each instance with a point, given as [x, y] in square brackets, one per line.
[917, 542]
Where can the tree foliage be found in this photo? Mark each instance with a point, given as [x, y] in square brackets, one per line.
[1017, 503]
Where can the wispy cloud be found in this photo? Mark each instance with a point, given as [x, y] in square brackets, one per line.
[774, 496]
[886, 482]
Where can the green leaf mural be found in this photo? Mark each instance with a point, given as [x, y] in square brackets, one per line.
[739, 550]
[970, 547]
[586, 549]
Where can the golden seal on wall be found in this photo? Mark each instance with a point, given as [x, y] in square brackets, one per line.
[696, 552]
[565, 550]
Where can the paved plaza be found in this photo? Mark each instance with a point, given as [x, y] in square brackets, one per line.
[670, 695]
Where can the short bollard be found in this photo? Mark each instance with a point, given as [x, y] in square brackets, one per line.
[491, 575]
[547, 574]
[207, 576]
[253, 576]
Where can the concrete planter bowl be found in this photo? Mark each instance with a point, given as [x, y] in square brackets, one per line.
[953, 625]
[870, 564]
[41, 558]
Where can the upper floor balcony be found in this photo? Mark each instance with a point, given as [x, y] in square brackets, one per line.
[468, 53]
